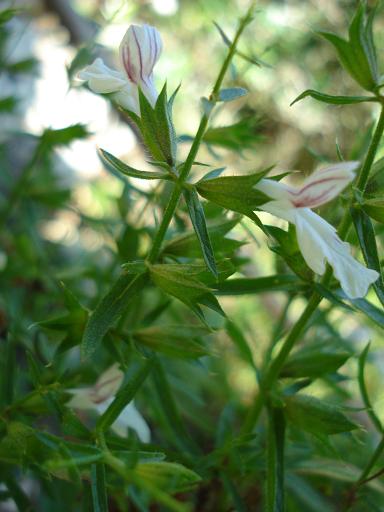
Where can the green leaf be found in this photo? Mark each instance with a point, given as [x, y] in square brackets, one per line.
[109, 310]
[28, 65]
[316, 416]
[7, 14]
[240, 341]
[334, 100]
[314, 361]
[172, 416]
[236, 193]
[186, 244]
[367, 240]
[7, 375]
[362, 305]
[358, 55]
[245, 286]
[334, 470]
[125, 395]
[189, 283]
[8, 104]
[135, 267]
[374, 208]
[364, 392]
[118, 165]
[231, 94]
[169, 476]
[275, 460]
[174, 341]
[369, 309]
[64, 136]
[361, 40]
[98, 486]
[157, 127]
[197, 216]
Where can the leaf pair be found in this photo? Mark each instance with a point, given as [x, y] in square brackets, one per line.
[191, 283]
[157, 127]
[358, 57]
[236, 193]
[358, 54]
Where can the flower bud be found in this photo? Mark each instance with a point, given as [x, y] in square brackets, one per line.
[139, 51]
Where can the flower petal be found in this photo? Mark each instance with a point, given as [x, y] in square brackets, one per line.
[81, 399]
[318, 241]
[313, 235]
[282, 209]
[129, 418]
[108, 384]
[139, 51]
[128, 98]
[102, 79]
[275, 189]
[324, 185]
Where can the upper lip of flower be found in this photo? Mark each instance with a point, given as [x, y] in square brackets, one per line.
[318, 240]
[139, 51]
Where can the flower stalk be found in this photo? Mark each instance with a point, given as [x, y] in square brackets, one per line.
[277, 364]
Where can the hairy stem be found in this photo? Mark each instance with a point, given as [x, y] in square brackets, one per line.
[372, 461]
[275, 367]
[177, 191]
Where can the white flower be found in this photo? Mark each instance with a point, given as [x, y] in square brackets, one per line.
[139, 51]
[101, 395]
[318, 240]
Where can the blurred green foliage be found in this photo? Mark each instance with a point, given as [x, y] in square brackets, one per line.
[64, 239]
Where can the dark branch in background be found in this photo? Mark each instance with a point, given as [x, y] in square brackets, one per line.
[80, 29]
[81, 32]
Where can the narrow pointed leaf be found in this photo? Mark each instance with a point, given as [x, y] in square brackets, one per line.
[275, 461]
[367, 239]
[98, 486]
[109, 310]
[118, 165]
[125, 395]
[334, 100]
[232, 93]
[197, 216]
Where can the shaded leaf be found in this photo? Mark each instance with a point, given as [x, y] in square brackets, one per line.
[233, 93]
[367, 240]
[197, 216]
[245, 286]
[334, 100]
[174, 341]
[316, 416]
[125, 169]
[109, 310]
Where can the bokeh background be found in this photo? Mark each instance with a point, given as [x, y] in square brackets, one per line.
[68, 223]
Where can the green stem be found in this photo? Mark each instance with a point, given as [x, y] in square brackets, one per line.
[372, 461]
[20, 184]
[131, 477]
[178, 188]
[167, 217]
[298, 329]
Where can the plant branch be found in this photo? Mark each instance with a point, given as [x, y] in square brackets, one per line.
[177, 191]
[298, 329]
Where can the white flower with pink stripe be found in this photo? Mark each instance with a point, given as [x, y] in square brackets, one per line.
[318, 240]
[139, 51]
[99, 397]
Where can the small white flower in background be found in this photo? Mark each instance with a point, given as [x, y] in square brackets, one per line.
[101, 395]
[139, 51]
[318, 240]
